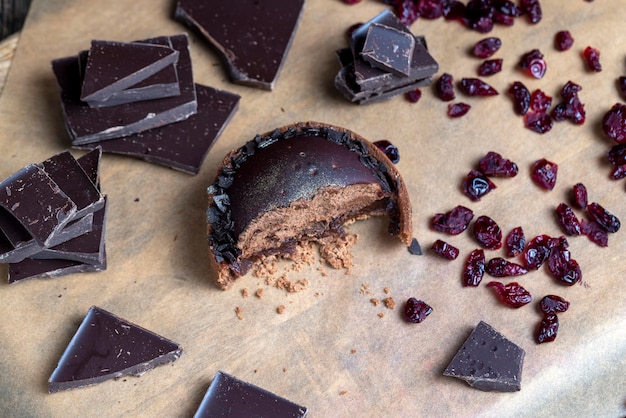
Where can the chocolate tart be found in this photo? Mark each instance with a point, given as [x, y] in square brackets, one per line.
[296, 186]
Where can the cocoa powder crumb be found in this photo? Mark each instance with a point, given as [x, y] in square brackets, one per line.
[239, 312]
[353, 351]
[259, 293]
[389, 302]
[244, 292]
[280, 309]
[375, 301]
[365, 289]
[343, 392]
[386, 290]
[381, 315]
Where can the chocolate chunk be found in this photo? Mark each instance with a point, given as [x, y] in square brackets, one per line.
[388, 49]
[230, 397]
[253, 37]
[488, 361]
[107, 347]
[86, 124]
[114, 66]
[31, 268]
[90, 163]
[182, 145]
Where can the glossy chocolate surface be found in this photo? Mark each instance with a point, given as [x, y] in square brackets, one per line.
[388, 49]
[105, 347]
[182, 145]
[229, 397]
[252, 36]
[287, 171]
[115, 66]
[488, 361]
[86, 124]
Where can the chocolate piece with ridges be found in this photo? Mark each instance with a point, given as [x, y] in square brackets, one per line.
[107, 347]
[231, 397]
[253, 37]
[488, 361]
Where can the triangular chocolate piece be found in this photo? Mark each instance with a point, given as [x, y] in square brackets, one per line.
[230, 397]
[114, 66]
[107, 347]
[488, 361]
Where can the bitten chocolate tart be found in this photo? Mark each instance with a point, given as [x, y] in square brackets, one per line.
[296, 186]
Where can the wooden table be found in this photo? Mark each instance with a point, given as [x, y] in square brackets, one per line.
[332, 349]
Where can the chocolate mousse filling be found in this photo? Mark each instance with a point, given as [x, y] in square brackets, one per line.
[297, 185]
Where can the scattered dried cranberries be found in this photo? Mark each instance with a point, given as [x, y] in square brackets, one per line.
[476, 185]
[512, 294]
[487, 233]
[453, 222]
[543, 173]
[474, 268]
[445, 250]
[416, 310]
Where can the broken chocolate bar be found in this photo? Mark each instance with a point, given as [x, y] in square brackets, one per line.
[488, 361]
[182, 145]
[253, 37]
[107, 347]
[114, 66]
[231, 397]
[86, 124]
[382, 62]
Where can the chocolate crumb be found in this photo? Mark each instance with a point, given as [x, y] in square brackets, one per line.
[239, 312]
[284, 369]
[386, 290]
[365, 289]
[415, 248]
[381, 315]
[375, 301]
[343, 392]
[389, 302]
[259, 293]
[244, 292]
[280, 309]
[353, 351]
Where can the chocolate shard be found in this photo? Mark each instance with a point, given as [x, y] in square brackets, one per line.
[107, 347]
[253, 37]
[86, 124]
[114, 66]
[231, 397]
[389, 49]
[488, 361]
[183, 145]
[90, 162]
[31, 268]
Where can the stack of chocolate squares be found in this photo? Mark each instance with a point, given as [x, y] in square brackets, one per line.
[139, 99]
[384, 60]
[52, 218]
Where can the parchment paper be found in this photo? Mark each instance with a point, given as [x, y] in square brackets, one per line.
[329, 351]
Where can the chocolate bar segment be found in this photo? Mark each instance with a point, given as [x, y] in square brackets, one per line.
[86, 124]
[182, 145]
[488, 361]
[253, 37]
[389, 49]
[107, 347]
[231, 397]
[114, 66]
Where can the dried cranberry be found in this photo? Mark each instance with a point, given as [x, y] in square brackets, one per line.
[503, 19]
[553, 303]
[592, 59]
[476, 87]
[414, 95]
[580, 195]
[486, 47]
[614, 123]
[493, 164]
[390, 150]
[543, 173]
[456, 110]
[521, 98]
[595, 233]
[490, 67]
[606, 219]
[619, 172]
[453, 222]
[621, 85]
[507, 8]
[453, 9]
[568, 220]
[571, 108]
[533, 9]
[351, 1]
[499, 267]
[444, 88]
[487, 233]
[512, 294]
[547, 329]
[430, 9]
[416, 310]
[406, 10]
[476, 185]
[537, 251]
[539, 122]
[527, 57]
[474, 268]
[617, 155]
[478, 15]
[445, 250]
[562, 267]
[540, 101]
[515, 242]
[563, 40]
[534, 63]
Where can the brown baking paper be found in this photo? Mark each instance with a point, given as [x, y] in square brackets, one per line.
[332, 349]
